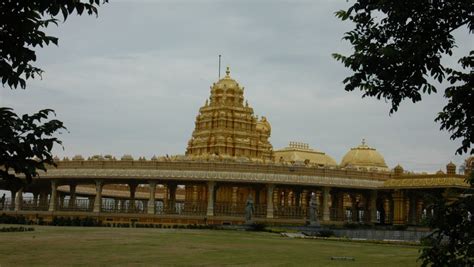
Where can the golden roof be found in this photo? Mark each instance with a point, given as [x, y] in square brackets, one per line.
[439, 180]
[227, 83]
[300, 152]
[364, 156]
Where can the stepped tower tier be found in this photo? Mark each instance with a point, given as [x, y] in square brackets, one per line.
[226, 126]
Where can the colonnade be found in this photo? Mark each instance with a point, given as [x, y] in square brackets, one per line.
[271, 201]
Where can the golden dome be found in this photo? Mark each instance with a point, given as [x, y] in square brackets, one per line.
[226, 92]
[364, 157]
[264, 126]
[300, 152]
[227, 83]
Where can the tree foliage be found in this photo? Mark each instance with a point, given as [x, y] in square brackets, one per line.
[26, 142]
[22, 25]
[398, 46]
[458, 115]
[452, 241]
[397, 50]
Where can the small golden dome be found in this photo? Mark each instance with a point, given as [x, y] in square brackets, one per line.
[398, 170]
[364, 156]
[127, 157]
[227, 82]
[264, 126]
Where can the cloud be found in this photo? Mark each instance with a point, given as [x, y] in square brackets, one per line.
[133, 79]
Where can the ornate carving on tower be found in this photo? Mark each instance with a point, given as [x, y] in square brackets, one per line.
[225, 126]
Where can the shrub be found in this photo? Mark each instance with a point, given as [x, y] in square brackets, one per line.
[400, 227]
[259, 227]
[326, 233]
[17, 229]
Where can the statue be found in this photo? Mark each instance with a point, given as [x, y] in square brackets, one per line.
[313, 212]
[249, 209]
[2, 202]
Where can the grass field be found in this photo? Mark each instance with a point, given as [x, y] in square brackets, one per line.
[60, 246]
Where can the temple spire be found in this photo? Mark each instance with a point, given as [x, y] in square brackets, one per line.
[226, 106]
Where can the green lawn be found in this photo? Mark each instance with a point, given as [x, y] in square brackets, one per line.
[59, 246]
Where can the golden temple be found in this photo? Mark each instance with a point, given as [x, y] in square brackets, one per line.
[225, 126]
[228, 158]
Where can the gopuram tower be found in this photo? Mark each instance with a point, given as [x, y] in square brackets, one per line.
[226, 127]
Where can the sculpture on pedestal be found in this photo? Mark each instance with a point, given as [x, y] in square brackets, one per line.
[249, 210]
[313, 212]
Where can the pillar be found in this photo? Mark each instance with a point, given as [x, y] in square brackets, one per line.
[43, 200]
[412, 209]
[116, 205]
[54, 196]
[35, 199]
[257, 196]
[285, 197]
[210, 198]
[291, 197]
[151, 200]
[234, 196]
[19, 199]
[91, 203]
[388, 216]
[373, 206]
[195, 194]
[144, 205]
[122, 204]
[339, 206]
[304, 200]
[297, 197]
[72, 196]
[276, 198]
[419, 211]
[270, 188]
[354, 208]
[172, 190]
[325, 209]
[398, 207]
[133, 190]
[165, 197]
[98, 196]
[12, 199]
[61, 200]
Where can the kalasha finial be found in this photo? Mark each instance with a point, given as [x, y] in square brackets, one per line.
[227, 72]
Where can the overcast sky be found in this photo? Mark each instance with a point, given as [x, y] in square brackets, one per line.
[132, 80]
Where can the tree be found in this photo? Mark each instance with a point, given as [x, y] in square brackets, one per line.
[26, 142]
[398, 46]
[451, 242]
[22, 25]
